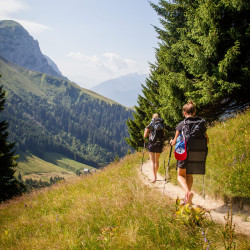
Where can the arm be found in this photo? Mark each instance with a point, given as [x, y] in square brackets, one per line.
[146, 132]
[173, 141]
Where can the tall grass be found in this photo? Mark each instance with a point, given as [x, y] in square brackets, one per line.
[228, 163]
[108, 210]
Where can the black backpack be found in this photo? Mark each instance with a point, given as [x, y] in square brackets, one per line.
[157, 130]
[193, 128]
[193, 131]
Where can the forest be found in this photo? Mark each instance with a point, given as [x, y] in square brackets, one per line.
[48, 114]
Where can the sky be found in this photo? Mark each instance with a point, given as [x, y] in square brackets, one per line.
[90, 41]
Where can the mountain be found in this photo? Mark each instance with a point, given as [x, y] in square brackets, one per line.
[50, 114]
[124, 90]
[17, 46]
[53, 65]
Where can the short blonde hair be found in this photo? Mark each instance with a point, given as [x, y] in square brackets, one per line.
[155, 115]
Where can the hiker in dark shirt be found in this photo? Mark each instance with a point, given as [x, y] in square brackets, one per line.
[155, 145]
[185, 180]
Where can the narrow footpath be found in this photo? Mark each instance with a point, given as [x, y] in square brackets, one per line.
[217, 208]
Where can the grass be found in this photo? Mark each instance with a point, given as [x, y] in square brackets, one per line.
[108, 210]
[30, 166]
[64, 162]
[228, 163]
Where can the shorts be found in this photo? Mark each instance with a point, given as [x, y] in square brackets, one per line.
[181, 164]
[155, 147]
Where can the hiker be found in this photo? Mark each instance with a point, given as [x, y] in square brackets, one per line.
[156, 133]
[186, 180]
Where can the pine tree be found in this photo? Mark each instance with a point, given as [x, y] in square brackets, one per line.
[209, 59]
[152, 100]
[147, 106]
[9, 186]
[203, 55]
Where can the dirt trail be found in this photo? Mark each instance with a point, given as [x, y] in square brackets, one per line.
[217, 208]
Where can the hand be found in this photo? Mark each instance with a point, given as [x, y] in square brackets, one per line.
[172, 142]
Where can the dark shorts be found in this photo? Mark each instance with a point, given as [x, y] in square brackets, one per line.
[181, 164]
[155, 147]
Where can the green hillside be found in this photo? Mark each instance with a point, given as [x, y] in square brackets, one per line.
[31, 166]
[113, 209]
[48, 114]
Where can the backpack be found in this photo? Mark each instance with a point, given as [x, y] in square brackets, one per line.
[193, 128]
[157, 130]
[193, 132]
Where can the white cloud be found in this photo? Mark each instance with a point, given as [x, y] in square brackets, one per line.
[88, 71]
[93, 61]
[116, 63]
[109, 62]
[11, 6]
[33, 28]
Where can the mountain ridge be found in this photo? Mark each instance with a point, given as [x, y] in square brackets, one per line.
[19, 47]
[124, 90]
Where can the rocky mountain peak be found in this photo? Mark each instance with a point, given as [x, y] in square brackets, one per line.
[17, 46]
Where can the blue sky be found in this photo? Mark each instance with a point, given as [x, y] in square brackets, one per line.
[91, 41]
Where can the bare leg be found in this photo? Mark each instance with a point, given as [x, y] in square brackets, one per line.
[152, 158]
[157, 156]
[182, 179]
[190, 194]
[186, 182]
[189, 179]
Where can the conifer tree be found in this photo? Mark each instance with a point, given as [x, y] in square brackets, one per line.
[9, 186]
[151, 102]
[203, 55]
[147, 106]
[208, 59]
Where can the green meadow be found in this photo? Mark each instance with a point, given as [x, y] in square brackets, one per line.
[113, 209]
[53, 164]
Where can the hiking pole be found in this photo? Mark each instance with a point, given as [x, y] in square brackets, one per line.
[142, 155]
[164, 161]
[168, 163]
[204, 187]
[166, 174]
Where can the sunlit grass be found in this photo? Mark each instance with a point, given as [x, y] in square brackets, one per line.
[52, 165]
[108, 210]
[31, 166]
